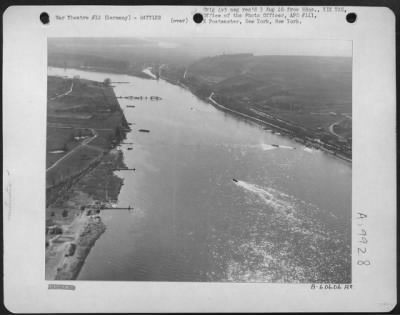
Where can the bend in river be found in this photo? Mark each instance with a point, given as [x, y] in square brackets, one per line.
[285, 218]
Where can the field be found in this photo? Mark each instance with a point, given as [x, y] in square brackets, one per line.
[82, 126]
[58, 86]
[343, 128]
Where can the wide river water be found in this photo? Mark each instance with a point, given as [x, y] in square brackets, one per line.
[286, 219]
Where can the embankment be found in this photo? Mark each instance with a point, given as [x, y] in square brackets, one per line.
[74, 203]
[76, 252]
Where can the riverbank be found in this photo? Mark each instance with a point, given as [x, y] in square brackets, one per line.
[283, 131]
[77, 251]
[82, 225]
[81, 184]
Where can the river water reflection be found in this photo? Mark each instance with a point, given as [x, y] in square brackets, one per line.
[286, 219]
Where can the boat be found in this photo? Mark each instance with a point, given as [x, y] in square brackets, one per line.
[235, 180]
[275, 145]
[144, 130]
[131, 106]
[130, 148]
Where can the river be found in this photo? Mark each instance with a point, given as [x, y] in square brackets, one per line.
[287, 218]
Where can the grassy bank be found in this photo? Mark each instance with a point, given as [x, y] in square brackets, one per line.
[88, 121]
[84, 128]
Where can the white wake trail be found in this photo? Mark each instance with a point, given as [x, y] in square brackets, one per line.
[267, 147]
[272, 197]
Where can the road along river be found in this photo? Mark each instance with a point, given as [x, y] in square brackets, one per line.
[285, 218]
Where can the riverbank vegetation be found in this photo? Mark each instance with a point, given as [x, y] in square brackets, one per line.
[81, 126]
[84, 126]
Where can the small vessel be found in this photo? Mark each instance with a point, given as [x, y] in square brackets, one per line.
[235, 180]
[130, 148]
[144, 130]
[275, 145]
[131, 106]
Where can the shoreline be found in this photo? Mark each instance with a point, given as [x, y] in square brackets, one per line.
[322, 148]
[82, 197]
[73, 246]
[211, 101]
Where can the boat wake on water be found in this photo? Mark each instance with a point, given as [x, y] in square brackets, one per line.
[270, 196]
[266, 147]
[309, 150]
[263, 146]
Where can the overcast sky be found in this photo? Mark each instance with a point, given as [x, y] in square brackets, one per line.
[193, 48]
[259, 46]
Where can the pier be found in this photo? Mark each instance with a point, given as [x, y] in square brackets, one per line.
[124, 169]
[141, 97]
[119, 208]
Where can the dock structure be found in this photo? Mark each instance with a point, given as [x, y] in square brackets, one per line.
[118, 208]
[141, 97]
[125, 169]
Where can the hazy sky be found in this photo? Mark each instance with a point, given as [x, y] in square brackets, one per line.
[261, 46]
[191, 49]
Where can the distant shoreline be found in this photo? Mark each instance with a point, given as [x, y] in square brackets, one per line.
[138, 74]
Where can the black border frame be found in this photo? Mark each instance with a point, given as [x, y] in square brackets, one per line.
[393, 5]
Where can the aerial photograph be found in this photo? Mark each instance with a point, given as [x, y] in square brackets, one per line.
[199, 160]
